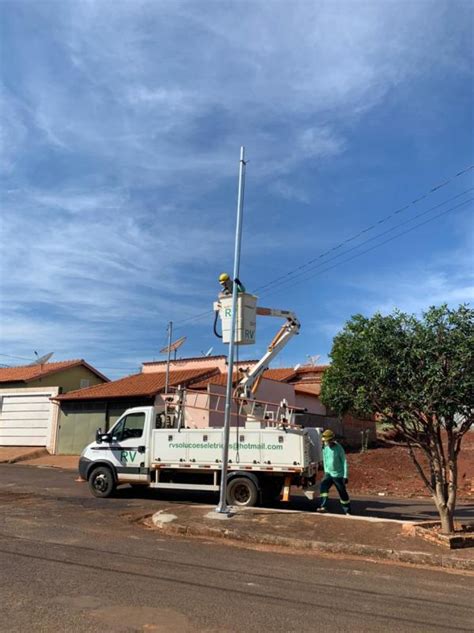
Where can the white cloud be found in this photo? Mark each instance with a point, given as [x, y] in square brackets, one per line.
[158, 96]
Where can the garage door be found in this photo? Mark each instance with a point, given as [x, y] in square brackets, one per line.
[25, 419]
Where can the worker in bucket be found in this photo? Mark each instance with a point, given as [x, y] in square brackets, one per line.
[335, 472]
[227, 284]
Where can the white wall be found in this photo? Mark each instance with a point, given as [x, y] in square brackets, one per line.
[28, 417]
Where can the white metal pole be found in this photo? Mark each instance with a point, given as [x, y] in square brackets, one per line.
[167, 379]
[222, 506]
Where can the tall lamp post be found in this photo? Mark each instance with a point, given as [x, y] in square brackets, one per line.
[222, 507]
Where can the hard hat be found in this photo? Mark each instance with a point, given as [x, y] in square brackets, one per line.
[223, 277]
[328, 435]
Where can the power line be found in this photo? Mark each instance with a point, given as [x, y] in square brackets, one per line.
[304, 275]
[17, 357]
[369, 228]
[193, 318]
[295, 274]
[367, 250]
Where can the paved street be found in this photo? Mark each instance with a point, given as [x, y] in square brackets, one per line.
[74, 563]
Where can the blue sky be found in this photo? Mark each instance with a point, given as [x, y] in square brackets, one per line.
[121, 128]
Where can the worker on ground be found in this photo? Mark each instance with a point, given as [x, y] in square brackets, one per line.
[335, 472]
[227, 284]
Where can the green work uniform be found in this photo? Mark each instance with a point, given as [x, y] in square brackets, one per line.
[335, 473]
[334, 461]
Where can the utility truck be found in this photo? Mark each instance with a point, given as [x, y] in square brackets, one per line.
[154, 446]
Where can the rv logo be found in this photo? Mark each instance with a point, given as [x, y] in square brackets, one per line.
[127, 456]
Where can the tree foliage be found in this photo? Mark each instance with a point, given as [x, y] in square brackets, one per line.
[417, 374]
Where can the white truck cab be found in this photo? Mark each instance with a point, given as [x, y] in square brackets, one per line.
[146, 447]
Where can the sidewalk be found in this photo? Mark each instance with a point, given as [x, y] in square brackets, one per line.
[15, 454]
[36, 456]
[374, 538]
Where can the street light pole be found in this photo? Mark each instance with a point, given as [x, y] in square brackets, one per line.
[222, 506]
[167, 379]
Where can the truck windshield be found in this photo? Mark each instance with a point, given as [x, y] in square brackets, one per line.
[131, 426]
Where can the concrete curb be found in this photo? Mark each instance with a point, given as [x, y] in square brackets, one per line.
[350, 549]
[39, 452]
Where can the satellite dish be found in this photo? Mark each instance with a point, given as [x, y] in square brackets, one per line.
[40, 360]
[208, 353]
[296, 367]
[174, 346]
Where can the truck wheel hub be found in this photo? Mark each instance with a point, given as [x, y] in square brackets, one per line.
[241, 493]
[100, 483]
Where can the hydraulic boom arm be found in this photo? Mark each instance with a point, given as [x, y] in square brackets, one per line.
[249, 384]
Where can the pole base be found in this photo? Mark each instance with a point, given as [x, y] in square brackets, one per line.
[220, 515]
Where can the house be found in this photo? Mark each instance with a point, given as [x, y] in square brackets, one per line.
[207, 409]
[83, 411]
[307, 381]
[27, 415]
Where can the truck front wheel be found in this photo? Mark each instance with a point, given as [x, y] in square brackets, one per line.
[101, 482]
[242, 492]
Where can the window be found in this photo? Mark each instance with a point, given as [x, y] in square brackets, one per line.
[85, 382]
[131, 426]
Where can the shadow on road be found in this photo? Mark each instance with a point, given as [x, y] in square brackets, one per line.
[402, 509]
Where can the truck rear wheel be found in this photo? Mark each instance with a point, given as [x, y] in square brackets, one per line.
[242, 492]
[101, 482]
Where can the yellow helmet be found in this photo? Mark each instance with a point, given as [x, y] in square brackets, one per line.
[328, 435]
[223, 277]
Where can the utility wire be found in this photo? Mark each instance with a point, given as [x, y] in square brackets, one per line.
[17, 357]
[294, 273]
[304, 276]
[297, 274]
[367, 250]
[369, 228]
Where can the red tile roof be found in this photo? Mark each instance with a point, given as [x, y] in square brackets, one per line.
[221, 379]
[217, 379]
[183, 360]
[26, 373]
[280, 373]
[146, 385]
[308, 389]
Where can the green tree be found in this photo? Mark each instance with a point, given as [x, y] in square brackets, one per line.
[417, 374]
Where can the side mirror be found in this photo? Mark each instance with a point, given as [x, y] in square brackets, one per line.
[98, 436]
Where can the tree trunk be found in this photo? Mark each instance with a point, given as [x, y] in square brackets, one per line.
[446, 515]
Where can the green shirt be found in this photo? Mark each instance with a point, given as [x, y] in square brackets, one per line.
[334, 461]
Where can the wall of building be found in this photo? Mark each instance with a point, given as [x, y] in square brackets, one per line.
[203, 362]
[312, 403]
[68, 380]
[268, 391]
[78, 420]
[185, 364]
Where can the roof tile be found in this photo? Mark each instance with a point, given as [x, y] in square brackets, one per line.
[308, 389]
[141, 384]
[33, 372]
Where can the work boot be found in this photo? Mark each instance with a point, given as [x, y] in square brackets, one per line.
[321, 510]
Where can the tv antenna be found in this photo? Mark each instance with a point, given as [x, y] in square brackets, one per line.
[173, 347]
[208, 353]
[313, 359]
[40, 360]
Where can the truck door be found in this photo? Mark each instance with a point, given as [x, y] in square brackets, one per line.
[129, 447]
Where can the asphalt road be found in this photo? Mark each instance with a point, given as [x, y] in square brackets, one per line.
[70, 562]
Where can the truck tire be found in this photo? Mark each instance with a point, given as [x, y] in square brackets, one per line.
[242, 492]
[101, 482]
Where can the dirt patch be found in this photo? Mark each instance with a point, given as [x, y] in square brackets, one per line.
[390, 470]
